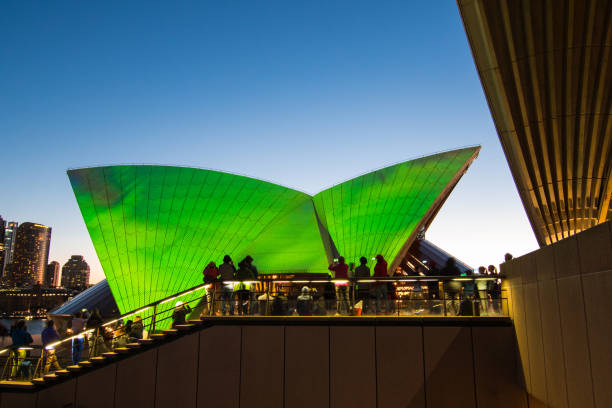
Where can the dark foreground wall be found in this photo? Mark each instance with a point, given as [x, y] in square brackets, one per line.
[559, 300]
[295, 366]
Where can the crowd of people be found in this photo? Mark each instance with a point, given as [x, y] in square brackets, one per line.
[351, 290]
[236, 289]
[85, 332]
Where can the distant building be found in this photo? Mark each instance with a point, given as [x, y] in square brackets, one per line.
[10, 230]
[52, 275]
[30, 255]
[2, 250]
[75, 273]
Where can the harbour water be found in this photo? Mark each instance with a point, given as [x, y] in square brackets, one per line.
[35, 327]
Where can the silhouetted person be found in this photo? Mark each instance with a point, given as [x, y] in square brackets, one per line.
[451, 287]
[253, 287]
[227, 272]
[304, 302]
[279, 305]
[209, 277]
[340, 270]
[363, 288]
[249, 261]
[494, 288]
[21, 338]
[48, 336]
[469, 292]
[78, 324]
[246, 272]
[210, 273]
[381, 290]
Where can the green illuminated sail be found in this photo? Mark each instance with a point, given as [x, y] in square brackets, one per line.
[378, 212]
[155, 228]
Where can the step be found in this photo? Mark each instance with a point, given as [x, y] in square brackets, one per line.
[50, 377]
[38, 381]
[145, 341]
[197, 322]
[97, 360]
[26, 385]
[171, 332]
[110, 354]
[74, 368]
[133, 345]
[62, 373]
[157, 336]
[86, 363]
[184, 327]
[123, 350]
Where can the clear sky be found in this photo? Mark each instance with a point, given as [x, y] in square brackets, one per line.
[305, 94]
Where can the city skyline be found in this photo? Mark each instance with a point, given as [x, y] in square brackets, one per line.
[28, 243]
[351, 88]
[16, 223]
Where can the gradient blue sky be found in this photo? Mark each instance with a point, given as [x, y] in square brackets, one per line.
[305, 94]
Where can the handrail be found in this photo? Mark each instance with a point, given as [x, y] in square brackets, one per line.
[344, 302]
[274, 279]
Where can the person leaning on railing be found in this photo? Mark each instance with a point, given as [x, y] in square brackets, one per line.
[452, 288]
[227, 272]
[494, 289]
[210, 273]
[246, 272]
[77, 326]
[340, 269]
[363, 289]
[468, 306]
[49, 335]
[380, 288]
[209, 276]
[21, 339]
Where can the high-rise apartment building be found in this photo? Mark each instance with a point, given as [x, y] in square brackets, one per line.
[75, 273]
[52, 274]
[2, 250]
[10, 230]
[30, 255]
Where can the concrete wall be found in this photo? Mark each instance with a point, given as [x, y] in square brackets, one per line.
[558, 301]
[374, 366]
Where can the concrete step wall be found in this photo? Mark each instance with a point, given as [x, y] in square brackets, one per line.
[271, 366]
[559, 301]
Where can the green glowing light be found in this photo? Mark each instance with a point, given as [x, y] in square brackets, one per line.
[377, 212]
[155, 228]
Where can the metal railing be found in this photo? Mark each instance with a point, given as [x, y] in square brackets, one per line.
[403, 296]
